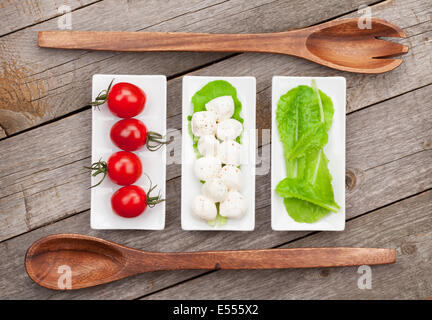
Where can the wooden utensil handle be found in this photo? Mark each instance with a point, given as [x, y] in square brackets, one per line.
[276, 258]
[163, 41]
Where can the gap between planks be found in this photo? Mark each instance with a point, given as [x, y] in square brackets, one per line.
[292, 241]
[177, 175]
[133, 244]
[4, 135]
[389, 227]
[200, 9]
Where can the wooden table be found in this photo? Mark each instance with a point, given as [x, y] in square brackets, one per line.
[45, 131]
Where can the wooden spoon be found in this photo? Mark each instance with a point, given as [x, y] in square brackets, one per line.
[339, 44]
[92, 261]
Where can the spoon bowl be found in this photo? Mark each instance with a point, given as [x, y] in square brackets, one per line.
[73, 261]
[86, 258]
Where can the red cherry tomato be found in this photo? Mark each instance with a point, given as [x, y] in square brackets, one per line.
[132, 134]
[124, 168]
[129, 201]
[129, 134]
[126, 100]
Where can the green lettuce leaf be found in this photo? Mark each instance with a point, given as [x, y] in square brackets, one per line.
[314, 186]
[303, 211]
[304, 115]
[219, 221]
[313, 139]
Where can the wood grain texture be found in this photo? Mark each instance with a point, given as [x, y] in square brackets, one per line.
[16, 14]
[15, 283]
[95, 261]
[405, 226]
[377, 185]
[403, 171]
[42, 185]
[43, 84]
[338, 44]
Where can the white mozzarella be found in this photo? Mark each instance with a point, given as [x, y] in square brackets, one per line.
[215, 189]
[234, 206]
[229, 129]
[208, 145]
[204, 208]
[203, 123]
[231, 176]
[223, 107]
[229, 152]
[207, 167]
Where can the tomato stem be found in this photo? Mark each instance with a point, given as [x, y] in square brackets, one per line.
[153, 200]
[155, 141]
[102, 97]
[99, 167]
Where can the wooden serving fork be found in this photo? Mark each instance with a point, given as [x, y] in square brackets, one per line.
[339, 44]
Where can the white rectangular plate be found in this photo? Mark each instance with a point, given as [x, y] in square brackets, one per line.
[154, 163]
[191, 186]
[335, 88]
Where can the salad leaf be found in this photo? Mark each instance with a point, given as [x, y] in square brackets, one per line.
[303, 211]
[218, 221]
[304, 115]
[315, 185]
[313, 139]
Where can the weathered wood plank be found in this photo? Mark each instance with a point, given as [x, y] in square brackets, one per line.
[15, 14]
[33, 177]
[40, 84]
[2, 133]
[27, 80]
[363, 90]
[174, 239]
[378, 186]
[392, 220]
[405, 226]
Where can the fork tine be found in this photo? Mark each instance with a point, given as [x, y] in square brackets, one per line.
[385, 65]
[387, 29]
[390, 49]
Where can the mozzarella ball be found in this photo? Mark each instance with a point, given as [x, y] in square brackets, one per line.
[229, 129]
[203, 122]
[234, 206]
[223, 107]
[229, 152]
[208, 145]
[204, 208]
[215, 189]
[231, 176]
[207, 167]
